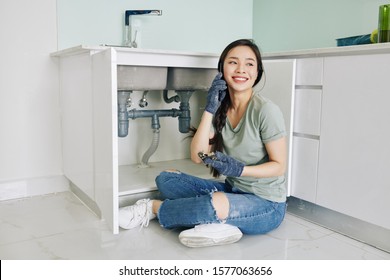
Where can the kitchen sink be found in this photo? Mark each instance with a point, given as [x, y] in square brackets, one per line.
[141, 77]
[190, 78]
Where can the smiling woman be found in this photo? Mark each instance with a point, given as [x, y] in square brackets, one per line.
[240, 70]
[249, 142]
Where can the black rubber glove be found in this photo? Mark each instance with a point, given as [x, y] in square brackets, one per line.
[225, 164]
[216, 94]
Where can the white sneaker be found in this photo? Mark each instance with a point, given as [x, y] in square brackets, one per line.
[135, 215]
[210, 235]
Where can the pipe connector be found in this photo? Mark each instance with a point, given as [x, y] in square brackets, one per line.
[155, 122]
[167, 99]
[143, 102]
[123, 115]
[185, 112]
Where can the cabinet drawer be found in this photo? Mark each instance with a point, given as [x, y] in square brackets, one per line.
[304, 168]
[307, 111]
[309, 71]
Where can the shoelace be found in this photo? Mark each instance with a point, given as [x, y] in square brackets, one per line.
[142, 212]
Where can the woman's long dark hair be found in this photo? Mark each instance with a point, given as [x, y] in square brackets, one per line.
[219, 120]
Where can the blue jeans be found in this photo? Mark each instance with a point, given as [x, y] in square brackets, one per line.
[187, 201]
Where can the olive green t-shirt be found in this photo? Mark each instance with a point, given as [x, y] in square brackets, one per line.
[262, 122]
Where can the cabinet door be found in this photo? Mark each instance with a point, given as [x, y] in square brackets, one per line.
[77, 121]
[309, 71]
[278, 86]
[305, 167]
[104, 82]
[354, 176]
[307, 111]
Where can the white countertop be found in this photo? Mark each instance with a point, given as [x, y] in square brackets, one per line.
[87, 48]
[320, 52]
[334, 51]
[146, 57]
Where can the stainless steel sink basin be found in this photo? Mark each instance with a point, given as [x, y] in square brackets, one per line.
[141, 77]
[190, 78]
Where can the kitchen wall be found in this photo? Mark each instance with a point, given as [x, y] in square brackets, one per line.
[201, 25]
[30, 145]
[281, 25]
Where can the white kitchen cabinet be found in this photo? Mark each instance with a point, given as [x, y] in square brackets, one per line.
[105, 135]
[306, 128]
[304, 168]
[278, 86]
[77, 121]
[93, 154]
[91, 149]
[340, 152]
[339, 147]
[354, 154]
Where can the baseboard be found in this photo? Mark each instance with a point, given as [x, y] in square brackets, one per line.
[362, 231]
[32, 187]
[89, 203]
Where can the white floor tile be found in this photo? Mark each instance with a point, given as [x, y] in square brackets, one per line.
[59, 226]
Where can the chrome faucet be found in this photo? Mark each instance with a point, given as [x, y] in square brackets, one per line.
[129, 41]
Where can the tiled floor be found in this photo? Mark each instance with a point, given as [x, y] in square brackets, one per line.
[59, 226]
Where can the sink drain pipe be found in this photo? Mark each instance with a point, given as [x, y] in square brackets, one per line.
[155, 141]
[183, 114]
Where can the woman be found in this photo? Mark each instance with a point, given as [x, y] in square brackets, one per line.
[245, 134]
